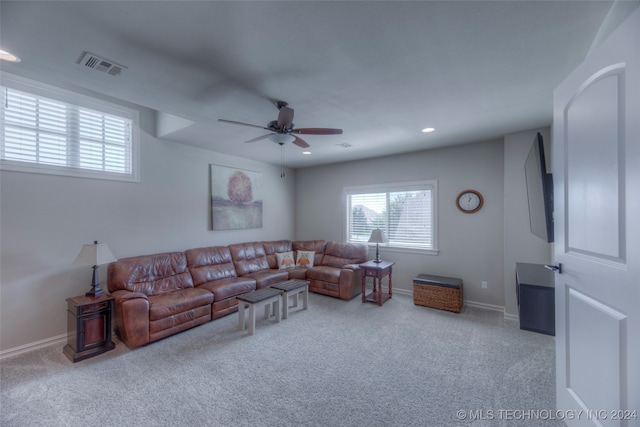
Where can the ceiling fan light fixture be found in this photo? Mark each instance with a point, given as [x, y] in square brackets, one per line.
[306, 153]
[281, 138]
[428, 130]
[8, 56]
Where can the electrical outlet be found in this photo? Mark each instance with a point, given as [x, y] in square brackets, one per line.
[484, 284]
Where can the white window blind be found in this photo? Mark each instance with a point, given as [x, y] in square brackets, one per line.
[404, 212]
[56, 135]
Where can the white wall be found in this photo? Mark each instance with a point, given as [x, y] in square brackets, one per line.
[471, 245]
[520, 245]
[45, 220]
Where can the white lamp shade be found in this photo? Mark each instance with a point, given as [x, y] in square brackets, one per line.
[95, 254]
[281, 138]
[377, 236]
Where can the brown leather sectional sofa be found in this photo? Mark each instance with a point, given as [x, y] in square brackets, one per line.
[161, 294]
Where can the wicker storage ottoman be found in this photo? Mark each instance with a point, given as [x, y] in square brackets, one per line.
[444, 293]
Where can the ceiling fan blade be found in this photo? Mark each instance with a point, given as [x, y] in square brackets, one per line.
[242, 124]
[259, 138]
[300, 142]
[317, 131]
[285, 117]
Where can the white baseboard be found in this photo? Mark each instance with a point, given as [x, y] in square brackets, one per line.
[484, 305]
[59, 339]
[513, 317]
[475, 304]
[403, 292]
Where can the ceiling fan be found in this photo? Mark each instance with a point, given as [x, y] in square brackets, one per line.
[282, 129]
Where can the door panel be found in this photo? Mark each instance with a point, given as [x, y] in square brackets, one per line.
[596, 168]
[597, 339]
[594, 174]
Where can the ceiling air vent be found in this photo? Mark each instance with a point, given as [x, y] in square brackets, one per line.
[100, 64]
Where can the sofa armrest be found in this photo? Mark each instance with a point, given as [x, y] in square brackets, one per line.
[132, 315]
[128, 295]
[350, 281]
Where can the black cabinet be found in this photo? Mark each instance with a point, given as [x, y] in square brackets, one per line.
[536, 298]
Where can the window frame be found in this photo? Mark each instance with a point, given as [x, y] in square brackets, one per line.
[431, 185]
[85, 102]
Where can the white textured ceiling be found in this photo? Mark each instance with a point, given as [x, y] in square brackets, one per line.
[381, 71]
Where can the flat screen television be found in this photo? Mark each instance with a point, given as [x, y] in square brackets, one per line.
[539, 191]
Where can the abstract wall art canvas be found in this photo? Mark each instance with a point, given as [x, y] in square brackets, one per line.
[236, 198]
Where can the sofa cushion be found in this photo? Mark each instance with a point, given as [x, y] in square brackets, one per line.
[271, 249]
[297, 273]
[150, 274]
[212, 263]
[268, 277]
[248, 258]
[229, 287]
[173, 303]
[341, 254]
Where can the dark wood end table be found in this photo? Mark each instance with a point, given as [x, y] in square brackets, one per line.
[88, 326]
[377, 271]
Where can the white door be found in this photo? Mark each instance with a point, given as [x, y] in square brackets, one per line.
[596, 171]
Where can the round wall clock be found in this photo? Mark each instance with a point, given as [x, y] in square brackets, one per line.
[469, 201]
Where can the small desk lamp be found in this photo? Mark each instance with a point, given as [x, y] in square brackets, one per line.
[95, 254]
[377, 237]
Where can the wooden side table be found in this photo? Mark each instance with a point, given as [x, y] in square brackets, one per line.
[88, 327]
[377, 270]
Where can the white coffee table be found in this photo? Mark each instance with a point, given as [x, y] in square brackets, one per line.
[258, 297]
[292, 288]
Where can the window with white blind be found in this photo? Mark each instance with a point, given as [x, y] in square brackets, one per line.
[49, 130]
[405, 212]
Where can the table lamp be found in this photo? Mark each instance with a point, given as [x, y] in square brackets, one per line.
[377, 237]
[95, 254]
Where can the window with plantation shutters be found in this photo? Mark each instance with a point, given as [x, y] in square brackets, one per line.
[405, 212]
[47, 135]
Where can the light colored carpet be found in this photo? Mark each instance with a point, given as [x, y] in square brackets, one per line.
[337, 364]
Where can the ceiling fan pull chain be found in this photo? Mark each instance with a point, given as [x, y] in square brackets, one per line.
[281, 160]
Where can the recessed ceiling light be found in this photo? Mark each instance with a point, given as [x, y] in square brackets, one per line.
[428, 130]
[306, 153]
[8, 56]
